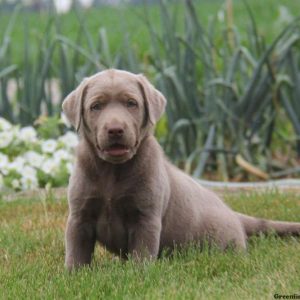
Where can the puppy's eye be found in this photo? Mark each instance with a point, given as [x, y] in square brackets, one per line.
[96, 106]
[131, 103]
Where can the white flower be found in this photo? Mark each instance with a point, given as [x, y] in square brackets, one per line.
[15, 184]
[49, 146]
[27, 134]
[34, 159]
[29, 182]
[17, 165]
[60, 155]
[1, 182]
[69, 139]
[50, 166]
[29, 178]
[6, 137]
[284, 15]
[65, 120]
[62, 6]
[70, 167]
[86, 3]
[4, 125]
[221, 15]
[29, 172]
[4, 163]
[3, 160]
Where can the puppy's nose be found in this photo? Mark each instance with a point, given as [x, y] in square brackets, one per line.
[115, 131]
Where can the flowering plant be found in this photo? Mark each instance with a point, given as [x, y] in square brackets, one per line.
[30, 158]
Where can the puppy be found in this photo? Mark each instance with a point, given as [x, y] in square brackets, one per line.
[125, 194]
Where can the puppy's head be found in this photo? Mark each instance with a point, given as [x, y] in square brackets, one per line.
[114, 110]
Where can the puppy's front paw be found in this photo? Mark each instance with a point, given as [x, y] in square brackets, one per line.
[72, 265]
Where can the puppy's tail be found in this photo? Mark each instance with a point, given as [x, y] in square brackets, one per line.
[254, 226]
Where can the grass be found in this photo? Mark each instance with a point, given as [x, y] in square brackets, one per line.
[32, 258]
[131, 18]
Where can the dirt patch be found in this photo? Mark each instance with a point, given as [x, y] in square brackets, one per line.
[221, 188]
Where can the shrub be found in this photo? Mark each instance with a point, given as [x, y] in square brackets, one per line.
[30, 158]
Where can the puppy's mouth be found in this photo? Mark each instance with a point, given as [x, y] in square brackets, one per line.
[116, 150]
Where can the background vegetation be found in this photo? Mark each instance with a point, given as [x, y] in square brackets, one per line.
[230, 71]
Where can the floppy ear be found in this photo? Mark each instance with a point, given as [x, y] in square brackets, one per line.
[154, 100]
[73, 104]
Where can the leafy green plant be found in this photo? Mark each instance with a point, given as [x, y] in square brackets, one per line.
[224, 94]
[48, 73]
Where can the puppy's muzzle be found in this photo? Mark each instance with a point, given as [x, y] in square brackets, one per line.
[115, 132]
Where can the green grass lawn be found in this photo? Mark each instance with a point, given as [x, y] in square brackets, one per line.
[32, 260]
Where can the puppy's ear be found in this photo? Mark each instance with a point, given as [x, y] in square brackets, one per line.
[155, 101]
[72, 106]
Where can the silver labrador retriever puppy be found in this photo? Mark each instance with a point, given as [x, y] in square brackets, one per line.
[123, 191]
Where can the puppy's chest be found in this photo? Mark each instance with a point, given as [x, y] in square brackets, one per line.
[116, 210]
[114, 220]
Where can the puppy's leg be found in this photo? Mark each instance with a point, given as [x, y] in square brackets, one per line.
[80, 242]
[144, 238]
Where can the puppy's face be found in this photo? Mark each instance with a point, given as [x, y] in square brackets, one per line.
[113, 114]
[114, 110]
